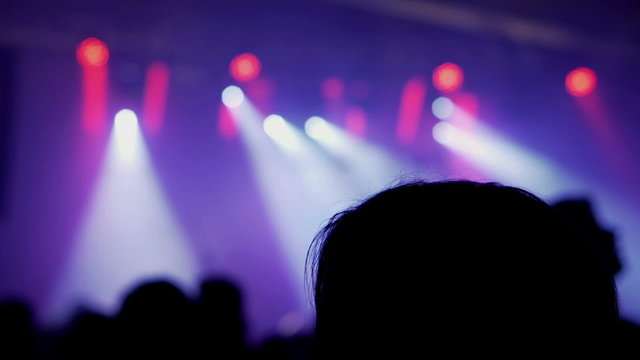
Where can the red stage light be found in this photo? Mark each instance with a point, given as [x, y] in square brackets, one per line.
[411, 104]
[155, 96]
[226, 123]
[356, 121]
[581, 81]
[332, 88]
[92, 53]
[245, 67]
[448, 77]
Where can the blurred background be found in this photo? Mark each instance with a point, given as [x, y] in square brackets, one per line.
[144, 140]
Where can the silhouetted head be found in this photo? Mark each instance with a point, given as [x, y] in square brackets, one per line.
[90, 335]
[221, 294]
[457, 266]
[158, 301]
[155, 320]
[17, 330]
[220, 318]
[581, 212]
[15, 317]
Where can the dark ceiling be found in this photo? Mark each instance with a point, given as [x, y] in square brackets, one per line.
[589, 27]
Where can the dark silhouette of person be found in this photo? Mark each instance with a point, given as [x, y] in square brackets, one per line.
[580, 211]
[18, 335]
[90, 335]
[458, 268]
[156, 321]
[285, 348]
[220, 320]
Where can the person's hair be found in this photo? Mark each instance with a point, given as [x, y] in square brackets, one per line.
[455, 261]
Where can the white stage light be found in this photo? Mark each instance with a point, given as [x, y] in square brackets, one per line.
[127, 133]
[316, 127]
[442, 108]
[232, 96]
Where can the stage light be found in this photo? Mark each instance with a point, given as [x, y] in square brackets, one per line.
[356, 121]
[275, 126]
[443, 132]
[332, 88]
[128, 232]
[126, 123]
[126, 133]
[227, 126]
[316, 127]
[245, 67]
[498, 158]
[448, 77]
[442, 108]
[92, 53]
[156, 90]
[232, 96]
[581, 81]
[410, 112]
[286, 135]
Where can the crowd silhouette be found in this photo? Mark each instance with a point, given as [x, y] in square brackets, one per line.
[156, 320]
[456, 268]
